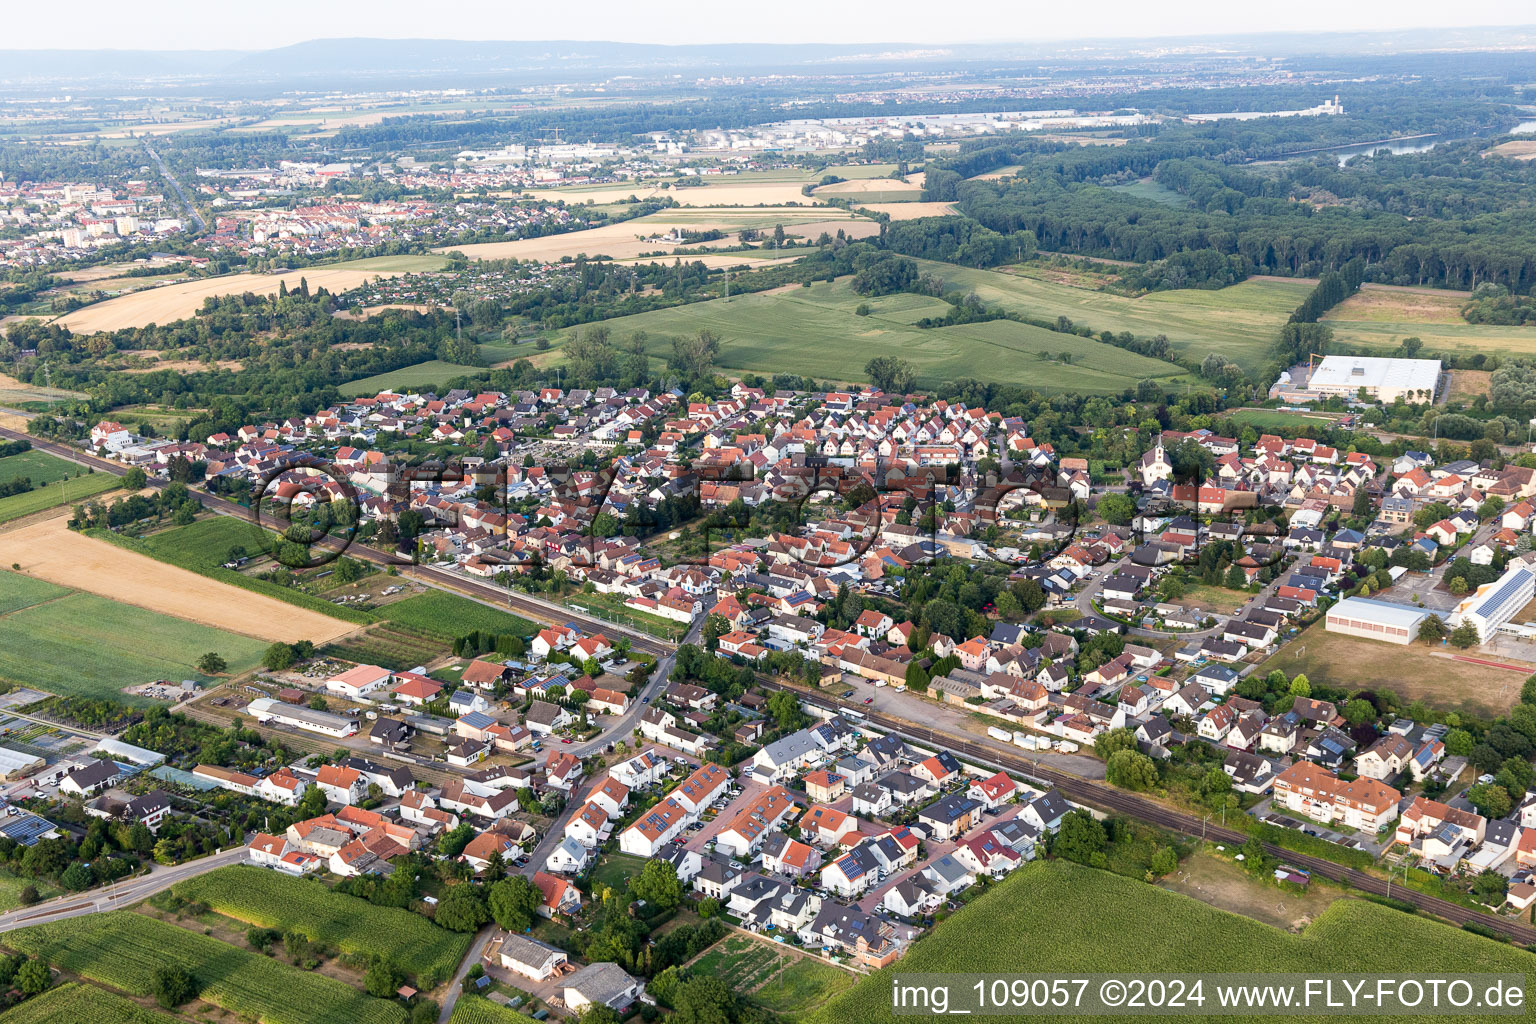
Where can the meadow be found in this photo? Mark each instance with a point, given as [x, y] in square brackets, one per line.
[74, 1003]
[54, 482]
[122, 949]
[816, 331]
[419, 376]
[173, 302]
[273, 900]
[1056, 917]
[83, 645]
[450, 615]
[1384, 337]
[1241, 321]
[1278, 421]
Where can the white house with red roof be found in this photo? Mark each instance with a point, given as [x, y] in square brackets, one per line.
[591, 647]
[341, 785]
[415, 689]
[994, 791]
[358, 681]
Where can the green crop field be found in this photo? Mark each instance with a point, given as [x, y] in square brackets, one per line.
[1053, 916]
[54, 482]
[784, 981]
[450, 615]
[87, 646]
[430, 374]
[352, 925]
[18, 592]
[74, 1003]
[816, 331]
[122, 949]
[206, 543]
[473, 1009]
[39, 467]
[1241, 322]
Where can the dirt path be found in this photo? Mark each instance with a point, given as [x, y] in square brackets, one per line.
[49, 550]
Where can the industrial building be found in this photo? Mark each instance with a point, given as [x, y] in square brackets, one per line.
[1494, 604]
[1375, 620]
[1385, 380]
[265, 709]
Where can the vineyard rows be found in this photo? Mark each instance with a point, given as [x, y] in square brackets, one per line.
[122, 949]
[352, 925]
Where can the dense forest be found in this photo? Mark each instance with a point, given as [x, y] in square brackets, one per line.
[1450, 217]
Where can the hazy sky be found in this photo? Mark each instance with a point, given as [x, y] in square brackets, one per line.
[222, 24]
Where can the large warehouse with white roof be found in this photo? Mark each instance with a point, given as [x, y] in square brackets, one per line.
[1383, 379]
[1376, 620]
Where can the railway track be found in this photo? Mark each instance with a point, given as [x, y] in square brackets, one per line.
[431, 575]
[1074, 787]
[1106, 797]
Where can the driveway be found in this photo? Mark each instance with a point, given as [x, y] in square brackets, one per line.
[750, 791]
[934, 850]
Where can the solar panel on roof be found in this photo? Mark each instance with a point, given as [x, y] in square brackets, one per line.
[1490, 607]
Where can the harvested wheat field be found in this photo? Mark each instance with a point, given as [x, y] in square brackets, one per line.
[49, 550]
[910, 211]
[644, 235]
[1401, 305]
[863, 186]
[364, 312]
[734, 259]
[174, 302]
[185, 365]
[1516, 149]
[723, 193]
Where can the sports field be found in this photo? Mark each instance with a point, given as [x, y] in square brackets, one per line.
[816, 331]
[79, 644]
[1241, 322]
[1056, 917]
[1413, 672]
[49, 550]
[54, 482]
[179, 301]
